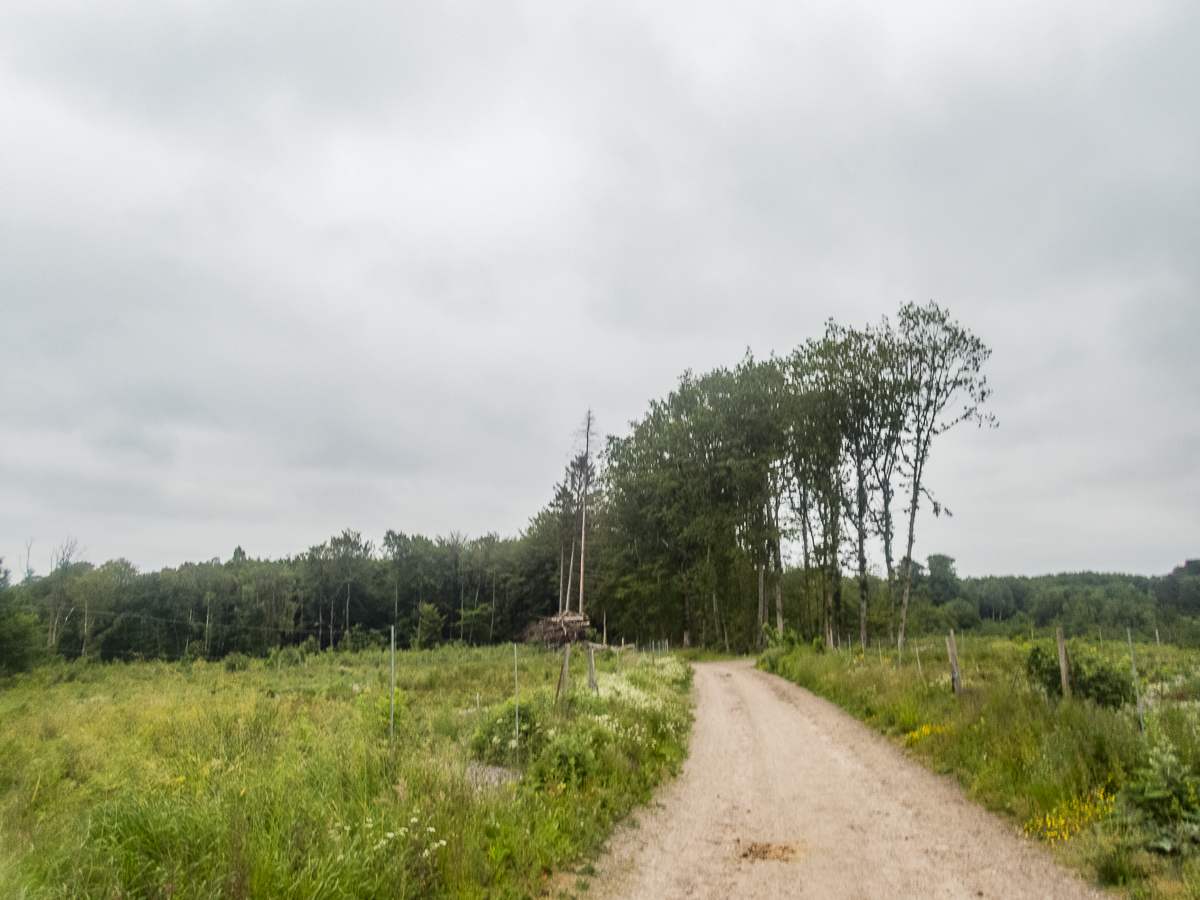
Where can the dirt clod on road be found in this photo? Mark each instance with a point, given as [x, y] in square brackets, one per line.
[784, 795]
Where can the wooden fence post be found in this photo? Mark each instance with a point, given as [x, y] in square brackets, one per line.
[1064, 665]
[955, 672]
[592, 668]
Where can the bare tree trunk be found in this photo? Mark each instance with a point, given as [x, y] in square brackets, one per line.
[582, 542]
[828, 612]
[347, 631]
[912, 525]
[562, 557]
[717, 622]
[860, 523]
[762, 605]
[587, 475]
[570, 574]
[778, 590]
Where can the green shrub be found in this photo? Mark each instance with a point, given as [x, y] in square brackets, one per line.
[429, 627]
[1095, 677]
[237, 662]
[495, 740]
[1043, 669]
[194, 782]
[1098, 678]
[567, 758]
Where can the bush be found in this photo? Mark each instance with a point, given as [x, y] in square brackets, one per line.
[429, 627]
[962, 614]
[568, 758]
[357, 639]
[1096, 677]
[285, 656]
[495, 742]
[1099, 679]
[237, 662]
[20, 638]
[193, 652]
[1042, 669]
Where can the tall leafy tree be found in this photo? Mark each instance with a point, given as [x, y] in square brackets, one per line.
[942, 363]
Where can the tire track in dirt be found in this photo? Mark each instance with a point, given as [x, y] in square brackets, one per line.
[784, 795]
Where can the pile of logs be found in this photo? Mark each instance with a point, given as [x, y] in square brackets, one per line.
[554, 631]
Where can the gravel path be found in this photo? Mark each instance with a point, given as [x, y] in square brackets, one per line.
[784, 795]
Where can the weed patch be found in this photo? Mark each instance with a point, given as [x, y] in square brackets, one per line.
[201, 780]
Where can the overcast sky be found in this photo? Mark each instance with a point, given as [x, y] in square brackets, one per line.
[270, 270]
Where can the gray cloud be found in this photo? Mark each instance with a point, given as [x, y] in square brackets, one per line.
[274, 269]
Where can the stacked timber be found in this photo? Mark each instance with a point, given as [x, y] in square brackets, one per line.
[563, 628]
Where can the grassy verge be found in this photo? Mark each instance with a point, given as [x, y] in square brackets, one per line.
[1115, 802]
[158, 780]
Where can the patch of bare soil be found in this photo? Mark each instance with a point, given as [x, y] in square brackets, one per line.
[784, 795]
[776, 852]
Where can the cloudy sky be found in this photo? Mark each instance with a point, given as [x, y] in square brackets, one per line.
[269, 270]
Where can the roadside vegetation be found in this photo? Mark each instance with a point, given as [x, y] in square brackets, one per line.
[274, 778]
[1078, 774]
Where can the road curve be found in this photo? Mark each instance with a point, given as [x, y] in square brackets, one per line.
[777, 772]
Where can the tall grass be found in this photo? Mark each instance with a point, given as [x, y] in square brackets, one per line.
[1066, 771]
[170, 780]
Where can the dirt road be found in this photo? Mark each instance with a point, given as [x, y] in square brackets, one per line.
[784, 795]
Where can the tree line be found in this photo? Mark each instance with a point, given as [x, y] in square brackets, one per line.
[758, 489]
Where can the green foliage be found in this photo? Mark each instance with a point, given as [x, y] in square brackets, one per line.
[1020, 750]
[1096, 677]
[1165, 789]
[286, 656]
[21, 641]
[192, 781]
[237, 662]
[357, 639]
[1042, 668]
[429, 627]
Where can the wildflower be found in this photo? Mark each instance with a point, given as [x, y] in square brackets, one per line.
[413, 820]
[432, 829]
[391, 834]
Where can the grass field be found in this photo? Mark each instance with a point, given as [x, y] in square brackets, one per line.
[1118, 803]
[274, 779]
